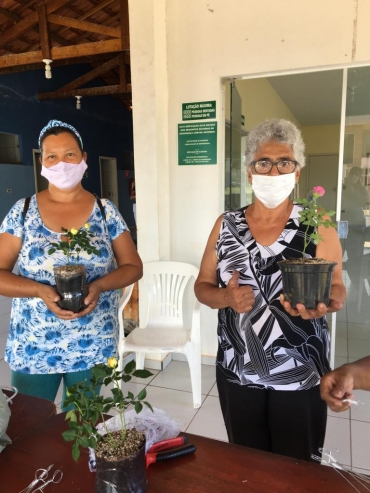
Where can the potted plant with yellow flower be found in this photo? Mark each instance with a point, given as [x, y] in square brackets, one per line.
[70, 279]
[308, 280]
[120, 455]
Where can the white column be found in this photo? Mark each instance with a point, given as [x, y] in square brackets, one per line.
[149, 79]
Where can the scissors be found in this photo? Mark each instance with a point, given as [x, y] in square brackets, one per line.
[57, 477]
[40, 475]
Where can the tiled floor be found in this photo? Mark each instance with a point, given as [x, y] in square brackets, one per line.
[348, 434]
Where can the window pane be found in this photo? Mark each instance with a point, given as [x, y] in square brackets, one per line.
[355, 209]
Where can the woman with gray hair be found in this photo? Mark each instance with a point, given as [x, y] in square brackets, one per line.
[270, 356]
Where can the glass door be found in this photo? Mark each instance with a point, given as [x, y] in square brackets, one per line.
[233, 145]
[354, 319]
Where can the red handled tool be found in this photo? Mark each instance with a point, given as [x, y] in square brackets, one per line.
[165, 450]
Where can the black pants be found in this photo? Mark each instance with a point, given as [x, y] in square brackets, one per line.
[291, 423]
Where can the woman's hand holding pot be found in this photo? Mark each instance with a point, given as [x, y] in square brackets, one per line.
[50, 297]
[307, 314]
[91, 300]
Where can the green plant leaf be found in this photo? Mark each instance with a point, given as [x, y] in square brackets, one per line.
[130, 367]
[138, 407]
[73, 425]
[91, 442]
[69, 435]
[142, 395]
[148, 405]
[84, 442]
[142, 373]
[71, 415]
[99, 372]
[76, 451]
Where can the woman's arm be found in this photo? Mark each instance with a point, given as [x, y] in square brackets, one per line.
[329, 249]
[15, 286]
[240, 298]
[338, 384]
[129, 270]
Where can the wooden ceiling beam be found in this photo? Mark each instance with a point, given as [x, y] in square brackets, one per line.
[104, 9]
[90, 12]
[93, 74]
[28, 22]
[107, 23]
[84, 25]
[122, 72]
[125, 30]
[44, 31]
[72, 51]
[86, 92]
[9, 14]
[58, 39]
[25, 5]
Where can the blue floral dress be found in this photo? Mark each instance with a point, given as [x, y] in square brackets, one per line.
[38, 341]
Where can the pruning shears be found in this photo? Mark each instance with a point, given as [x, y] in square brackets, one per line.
[165, 450]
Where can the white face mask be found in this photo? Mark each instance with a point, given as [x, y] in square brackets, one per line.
[273, 190]
[64, 175]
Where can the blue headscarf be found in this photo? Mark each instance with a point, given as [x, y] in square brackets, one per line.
[58, 123]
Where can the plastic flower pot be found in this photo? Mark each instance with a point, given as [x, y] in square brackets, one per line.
[127, 475]
[70, 283]
[307, 281]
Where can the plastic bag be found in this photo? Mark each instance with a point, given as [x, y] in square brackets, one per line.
[156, 426]
[4, 421]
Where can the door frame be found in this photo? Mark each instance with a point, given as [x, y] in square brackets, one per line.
[36, 153]
[101, 180]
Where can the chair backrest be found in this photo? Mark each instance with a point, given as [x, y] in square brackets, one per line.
[122, 303]
[165, 283]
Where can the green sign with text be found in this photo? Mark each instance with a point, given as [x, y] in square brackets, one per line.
[201, 110]
[197, 143]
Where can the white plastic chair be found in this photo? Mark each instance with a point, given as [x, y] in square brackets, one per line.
[170, 321]
[122, 303]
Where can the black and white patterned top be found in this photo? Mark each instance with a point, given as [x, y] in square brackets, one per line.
[266, 348]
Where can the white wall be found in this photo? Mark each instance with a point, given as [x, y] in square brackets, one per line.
[260, 102]
[180, 52]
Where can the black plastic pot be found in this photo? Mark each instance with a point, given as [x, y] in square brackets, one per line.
[307, 281]
[127, 475]
[70, 283]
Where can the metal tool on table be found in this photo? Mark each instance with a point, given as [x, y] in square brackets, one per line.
[41, 480]
[165, 450]
[56, 478]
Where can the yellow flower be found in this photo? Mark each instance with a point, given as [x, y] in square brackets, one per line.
[74, 231]
[87, 225]
[112, 362]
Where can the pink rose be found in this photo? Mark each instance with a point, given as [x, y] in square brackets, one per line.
[320, 191]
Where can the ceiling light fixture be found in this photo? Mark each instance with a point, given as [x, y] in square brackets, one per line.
[47, 67]
[78, 102]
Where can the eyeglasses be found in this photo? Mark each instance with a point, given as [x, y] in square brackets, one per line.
[284, 166]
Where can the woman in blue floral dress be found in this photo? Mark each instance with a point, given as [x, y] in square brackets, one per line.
[46, 343]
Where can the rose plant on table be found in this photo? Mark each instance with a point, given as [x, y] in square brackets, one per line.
[120, 455]
[89, 406]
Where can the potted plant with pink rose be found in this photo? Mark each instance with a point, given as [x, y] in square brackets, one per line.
[307, 280]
